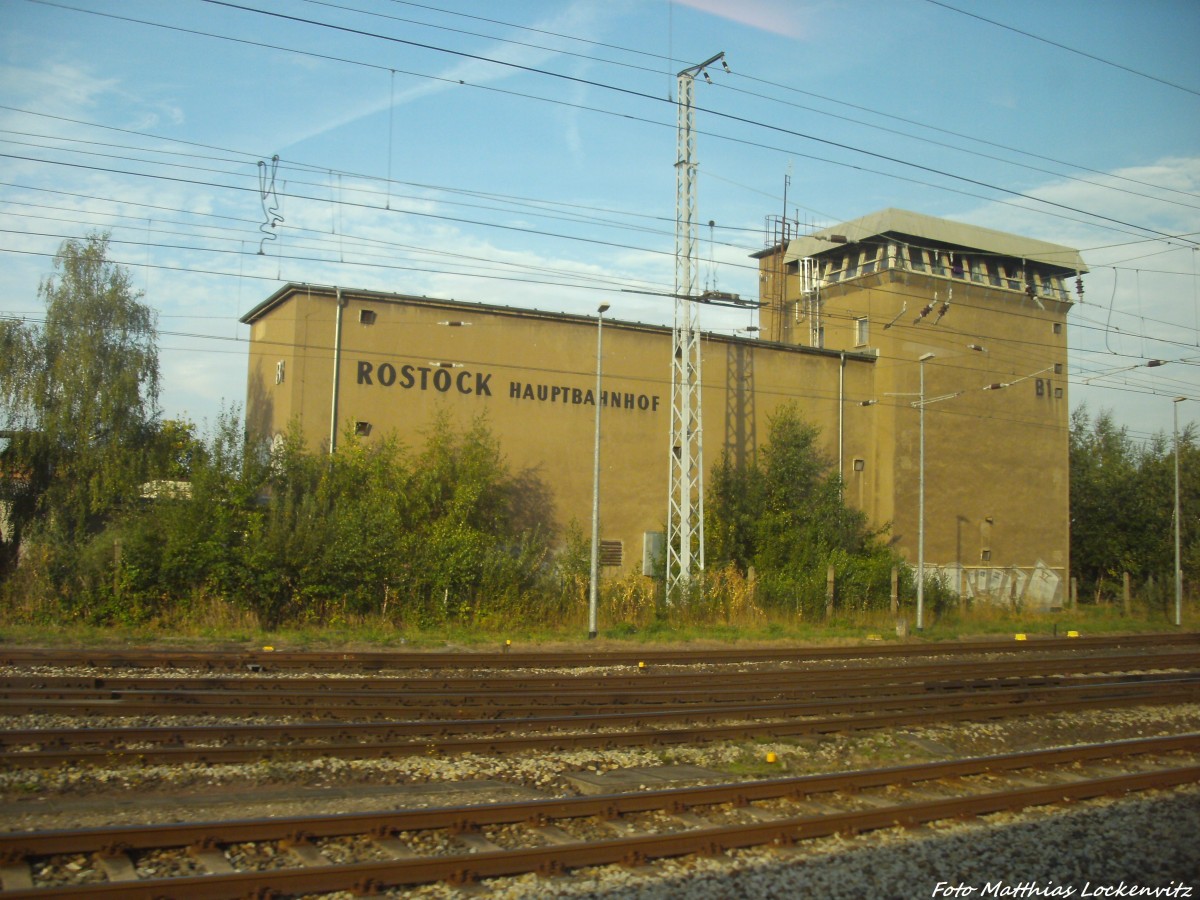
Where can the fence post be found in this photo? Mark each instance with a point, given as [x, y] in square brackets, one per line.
[895, 590]
[117, 568]
[1074, 592]
[829, 577]
[1125, 593]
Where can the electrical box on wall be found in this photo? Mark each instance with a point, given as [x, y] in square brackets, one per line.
[654, 551]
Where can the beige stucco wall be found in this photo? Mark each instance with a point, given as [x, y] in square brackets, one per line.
[532, 375]
[996, 461]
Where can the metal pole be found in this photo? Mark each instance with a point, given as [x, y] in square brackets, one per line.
[595, 567]
[921, 501]
[685, 483]
[1178, 565]
[337, 371]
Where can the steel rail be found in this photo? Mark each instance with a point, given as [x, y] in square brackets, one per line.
[262, 660]
[640, 679]
[130, 702]
[127, 695]
[467, 868]
[306, 731]
[15, 846]
[582, 737]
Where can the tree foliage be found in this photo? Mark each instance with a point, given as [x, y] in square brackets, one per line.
[79, 394]
[1122, 505]
[786, 518]
[294, 536]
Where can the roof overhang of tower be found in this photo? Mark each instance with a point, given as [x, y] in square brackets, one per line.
[903, 226]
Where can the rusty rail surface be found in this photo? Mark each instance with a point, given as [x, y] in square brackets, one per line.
[283, 660]
[414, 701]
[203, 838]
[389, 698]
[366, 740]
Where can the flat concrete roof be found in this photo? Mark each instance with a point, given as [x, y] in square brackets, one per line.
[293, 289]
[901, 224]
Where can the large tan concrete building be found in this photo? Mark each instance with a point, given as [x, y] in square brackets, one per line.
[847, 315]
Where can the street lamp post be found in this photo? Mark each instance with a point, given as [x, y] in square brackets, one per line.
[924, 358]
[595, 567]
[1178, 567]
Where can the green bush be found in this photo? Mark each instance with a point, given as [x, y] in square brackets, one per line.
[786, 518]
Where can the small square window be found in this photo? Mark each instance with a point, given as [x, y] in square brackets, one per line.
[985, 555]
[1058, 368]
[1058, 327]
[1058, 393]
[366, 316]
[362, 429]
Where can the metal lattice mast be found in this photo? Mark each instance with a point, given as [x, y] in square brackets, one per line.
[685, 514]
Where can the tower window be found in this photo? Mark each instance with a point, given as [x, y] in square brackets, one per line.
[861, 332]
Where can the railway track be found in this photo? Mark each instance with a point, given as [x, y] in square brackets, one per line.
[239, 743]
[366, 853]
[277, 660]
[508, 696]
[98, 718]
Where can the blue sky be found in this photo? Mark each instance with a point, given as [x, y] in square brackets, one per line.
[523, 152]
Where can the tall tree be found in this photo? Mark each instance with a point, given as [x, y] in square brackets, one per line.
[1122, 505]
[79, 395]
[785, 515]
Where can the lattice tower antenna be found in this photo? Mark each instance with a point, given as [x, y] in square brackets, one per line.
[685, 513]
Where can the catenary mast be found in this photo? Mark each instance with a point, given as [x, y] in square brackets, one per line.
[685, 514]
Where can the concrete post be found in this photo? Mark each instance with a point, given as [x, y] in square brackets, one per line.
[829, 582]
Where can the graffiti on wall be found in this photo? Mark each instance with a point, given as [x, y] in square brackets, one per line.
[1039, 587]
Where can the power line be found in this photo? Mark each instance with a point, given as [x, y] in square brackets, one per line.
[1075, 50]
[717, 113]
[623, 91]
[742, 75]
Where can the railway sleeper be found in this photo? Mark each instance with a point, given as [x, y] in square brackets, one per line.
[16, 875]
[394, 847]
[477, 843]
[117, 865]
[554, 834]
[211, 859]
[690, 820]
